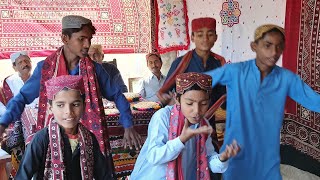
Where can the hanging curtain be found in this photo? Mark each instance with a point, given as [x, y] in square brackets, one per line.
[123, 26]
[301, 127]
[171, 25]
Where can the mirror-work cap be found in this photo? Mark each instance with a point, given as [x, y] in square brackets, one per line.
[185, 81]
[258, 33]
[74, 21]
[56, 84]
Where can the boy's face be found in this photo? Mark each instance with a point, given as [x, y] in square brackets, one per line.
[204, 39]
[268, 50]
[79, 43]
[67, 108]
[154, 64]
[194, 104]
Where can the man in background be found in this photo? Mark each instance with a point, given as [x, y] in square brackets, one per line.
[149, 86]
[96, 54]
[14, 142]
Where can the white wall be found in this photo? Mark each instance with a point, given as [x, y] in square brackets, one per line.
[130, 65]
[234, 42]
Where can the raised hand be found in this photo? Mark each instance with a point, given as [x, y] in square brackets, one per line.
[230, 151]
[187, 132]
[165, 98]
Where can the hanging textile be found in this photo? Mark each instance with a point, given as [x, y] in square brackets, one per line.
[171, 25]
[301, 128]
[35, 25]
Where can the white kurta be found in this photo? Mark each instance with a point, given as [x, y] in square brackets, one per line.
[15, 83]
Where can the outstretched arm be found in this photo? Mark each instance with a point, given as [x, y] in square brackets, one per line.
[112, 92]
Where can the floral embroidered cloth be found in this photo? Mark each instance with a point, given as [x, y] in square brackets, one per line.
[172, 25]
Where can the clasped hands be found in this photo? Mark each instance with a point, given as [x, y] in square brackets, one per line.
[187, 133]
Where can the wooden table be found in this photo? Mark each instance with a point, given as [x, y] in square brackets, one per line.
[4, 159]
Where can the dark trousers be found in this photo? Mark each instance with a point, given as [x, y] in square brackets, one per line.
[214, 176]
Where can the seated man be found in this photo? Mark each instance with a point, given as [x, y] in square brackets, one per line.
[148, 87]
[96, 54]
[11, 86]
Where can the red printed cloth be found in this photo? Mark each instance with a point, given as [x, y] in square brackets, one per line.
[301, 126]
[29, 123]
[35, 26]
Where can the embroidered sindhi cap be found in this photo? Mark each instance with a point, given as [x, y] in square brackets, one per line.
[199, 23]
[56, 84]
[261, 30]
[14, 56]
[74, 21]
[185, 81]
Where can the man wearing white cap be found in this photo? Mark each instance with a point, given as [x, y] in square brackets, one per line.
[11, 86]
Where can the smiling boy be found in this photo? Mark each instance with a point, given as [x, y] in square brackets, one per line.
[65, 149]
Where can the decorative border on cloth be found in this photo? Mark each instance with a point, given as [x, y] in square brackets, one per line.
[301, 127]
[122, 25]
[153, 24]
[171, 25]
[301, 137]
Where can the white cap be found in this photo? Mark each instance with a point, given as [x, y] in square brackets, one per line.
[14, 56]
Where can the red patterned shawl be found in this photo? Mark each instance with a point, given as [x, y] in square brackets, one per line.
[174, 170]
[54, 166]
[7, 93]
[93, 116]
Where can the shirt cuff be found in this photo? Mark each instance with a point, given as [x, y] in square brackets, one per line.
[222, 163]
[222, 166]
[177, 144]
[217, 166]
[127, 125]
[4, 121]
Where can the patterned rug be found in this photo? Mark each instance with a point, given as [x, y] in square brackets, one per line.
[122, 25]
[301, 126]
[124, 159]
